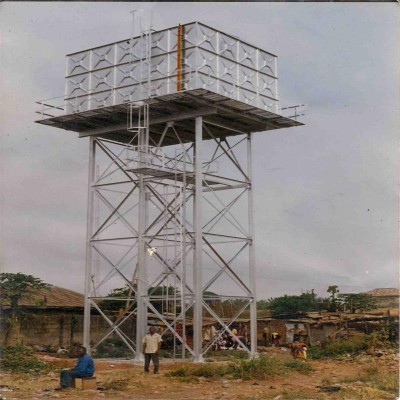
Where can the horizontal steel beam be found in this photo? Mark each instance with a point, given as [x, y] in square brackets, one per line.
[153, 121]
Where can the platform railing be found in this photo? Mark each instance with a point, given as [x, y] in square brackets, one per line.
[295, 111]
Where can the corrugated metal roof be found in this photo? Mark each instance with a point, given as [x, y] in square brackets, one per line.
[53, 297]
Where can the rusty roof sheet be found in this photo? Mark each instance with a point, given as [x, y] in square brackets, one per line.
[54, 297]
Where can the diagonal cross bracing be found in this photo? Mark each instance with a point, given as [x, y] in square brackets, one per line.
[172, 231]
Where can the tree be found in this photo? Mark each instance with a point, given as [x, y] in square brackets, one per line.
[262, 304]
[333, 290]
[295, 304]
[128, 299]
[358, 302]
[13, 287]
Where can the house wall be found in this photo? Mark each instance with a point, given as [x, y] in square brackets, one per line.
[321, 333]
[55, 329]
[272, 326]
[290, 330]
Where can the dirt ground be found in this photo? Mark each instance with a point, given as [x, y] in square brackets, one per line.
[120, 380]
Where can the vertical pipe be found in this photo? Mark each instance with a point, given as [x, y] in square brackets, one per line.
[198, 241]
[252, 283]
[89, 232]
[183, 255]
[179, 60]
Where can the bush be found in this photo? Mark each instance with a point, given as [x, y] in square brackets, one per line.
[206, 371]
[20, 358]
[112, 347]
[379, 339]
[260, 368]
[382, 380]
[165, 354]
[265, 366]
[351, 346]
[299, 366]
[375, 378]
[229, 354]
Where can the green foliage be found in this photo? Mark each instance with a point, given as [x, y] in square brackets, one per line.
[262, 305]
[350, 346]
[206, 371]
[20, 359]
[165, 353]
[358, 301]
[261, 368]
[127, 298]
[390, 330]
[299, 366]
[375, 377]
[114, 304]
[294, 304]
[333, 290]
[298, 395]
[265, 366]
[180, 372]
[15, 286]
[228, 354]
[112, 347]
[383, 337]
[210, 371]
[382, 380]
[115, 385]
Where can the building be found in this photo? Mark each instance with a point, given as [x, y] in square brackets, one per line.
[52, 317]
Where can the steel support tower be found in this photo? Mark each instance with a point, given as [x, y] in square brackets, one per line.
[170, 195]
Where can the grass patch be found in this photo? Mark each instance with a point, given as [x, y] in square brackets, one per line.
[21, 359]
[351, 346]
[299, 366]
[260, 368]
[327, 382]
[165, 353]
[365, 393]
[242, 355]
[377, 340]
[378, 379]
[117, 385]
[298, 395]
[206, 371]
[375, 379]
[111, 348]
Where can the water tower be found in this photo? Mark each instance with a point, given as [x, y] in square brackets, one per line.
[170, 116]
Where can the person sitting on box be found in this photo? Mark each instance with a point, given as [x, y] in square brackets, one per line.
[84, 368]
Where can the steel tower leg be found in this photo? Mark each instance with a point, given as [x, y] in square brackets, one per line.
[252, 283]
[141, 275]
[141, 281]
[198, 241]
[89, 232]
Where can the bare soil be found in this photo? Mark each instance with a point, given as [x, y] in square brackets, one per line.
[119, 380]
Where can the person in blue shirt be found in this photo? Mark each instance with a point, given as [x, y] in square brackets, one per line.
[84, 368]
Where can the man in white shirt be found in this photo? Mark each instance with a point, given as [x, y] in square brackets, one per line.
[151, 347]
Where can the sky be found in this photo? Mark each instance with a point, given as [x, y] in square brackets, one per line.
[326, 193]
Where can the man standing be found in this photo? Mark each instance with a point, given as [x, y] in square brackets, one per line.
[84, 368]
[151, 347]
